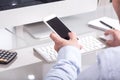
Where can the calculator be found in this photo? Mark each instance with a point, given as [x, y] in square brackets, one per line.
[7, 56]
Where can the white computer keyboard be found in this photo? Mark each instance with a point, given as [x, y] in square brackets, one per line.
[47, 52]
[89, 44]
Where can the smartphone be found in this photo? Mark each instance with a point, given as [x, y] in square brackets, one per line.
[56, 25]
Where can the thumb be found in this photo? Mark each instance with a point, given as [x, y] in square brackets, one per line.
[56, 38]
[109, 43]
[109, 32]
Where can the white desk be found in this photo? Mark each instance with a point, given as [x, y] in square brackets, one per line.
[28, 63]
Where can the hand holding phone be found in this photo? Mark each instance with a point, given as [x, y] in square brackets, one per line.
[106, 38]
[56, 25]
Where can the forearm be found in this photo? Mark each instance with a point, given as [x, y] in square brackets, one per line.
[109, 65]
[68, 65]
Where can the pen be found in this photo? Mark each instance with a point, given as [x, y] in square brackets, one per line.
[107, 25]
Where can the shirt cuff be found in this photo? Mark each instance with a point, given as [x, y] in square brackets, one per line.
[72, 54]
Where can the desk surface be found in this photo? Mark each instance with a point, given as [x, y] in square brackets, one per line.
[27, 63]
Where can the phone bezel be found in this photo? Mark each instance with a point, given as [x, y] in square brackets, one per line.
[48, 18]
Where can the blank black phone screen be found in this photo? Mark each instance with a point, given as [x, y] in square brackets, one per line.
[59, 27]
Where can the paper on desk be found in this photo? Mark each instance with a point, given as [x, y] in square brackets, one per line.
[112, 22]
[5, 39]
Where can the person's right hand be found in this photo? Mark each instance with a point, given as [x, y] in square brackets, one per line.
[60, 42]
[116, 38]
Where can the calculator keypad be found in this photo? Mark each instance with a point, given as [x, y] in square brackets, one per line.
[6, 56]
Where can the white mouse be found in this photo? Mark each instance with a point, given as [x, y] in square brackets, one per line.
[105, 38]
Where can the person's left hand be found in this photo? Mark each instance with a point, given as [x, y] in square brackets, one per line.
[116, 38]
[60, 42]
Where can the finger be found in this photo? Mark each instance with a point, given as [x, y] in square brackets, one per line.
[109, 32]
[72, 36]
[56, 48]
[109, 43]
[56, 38]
